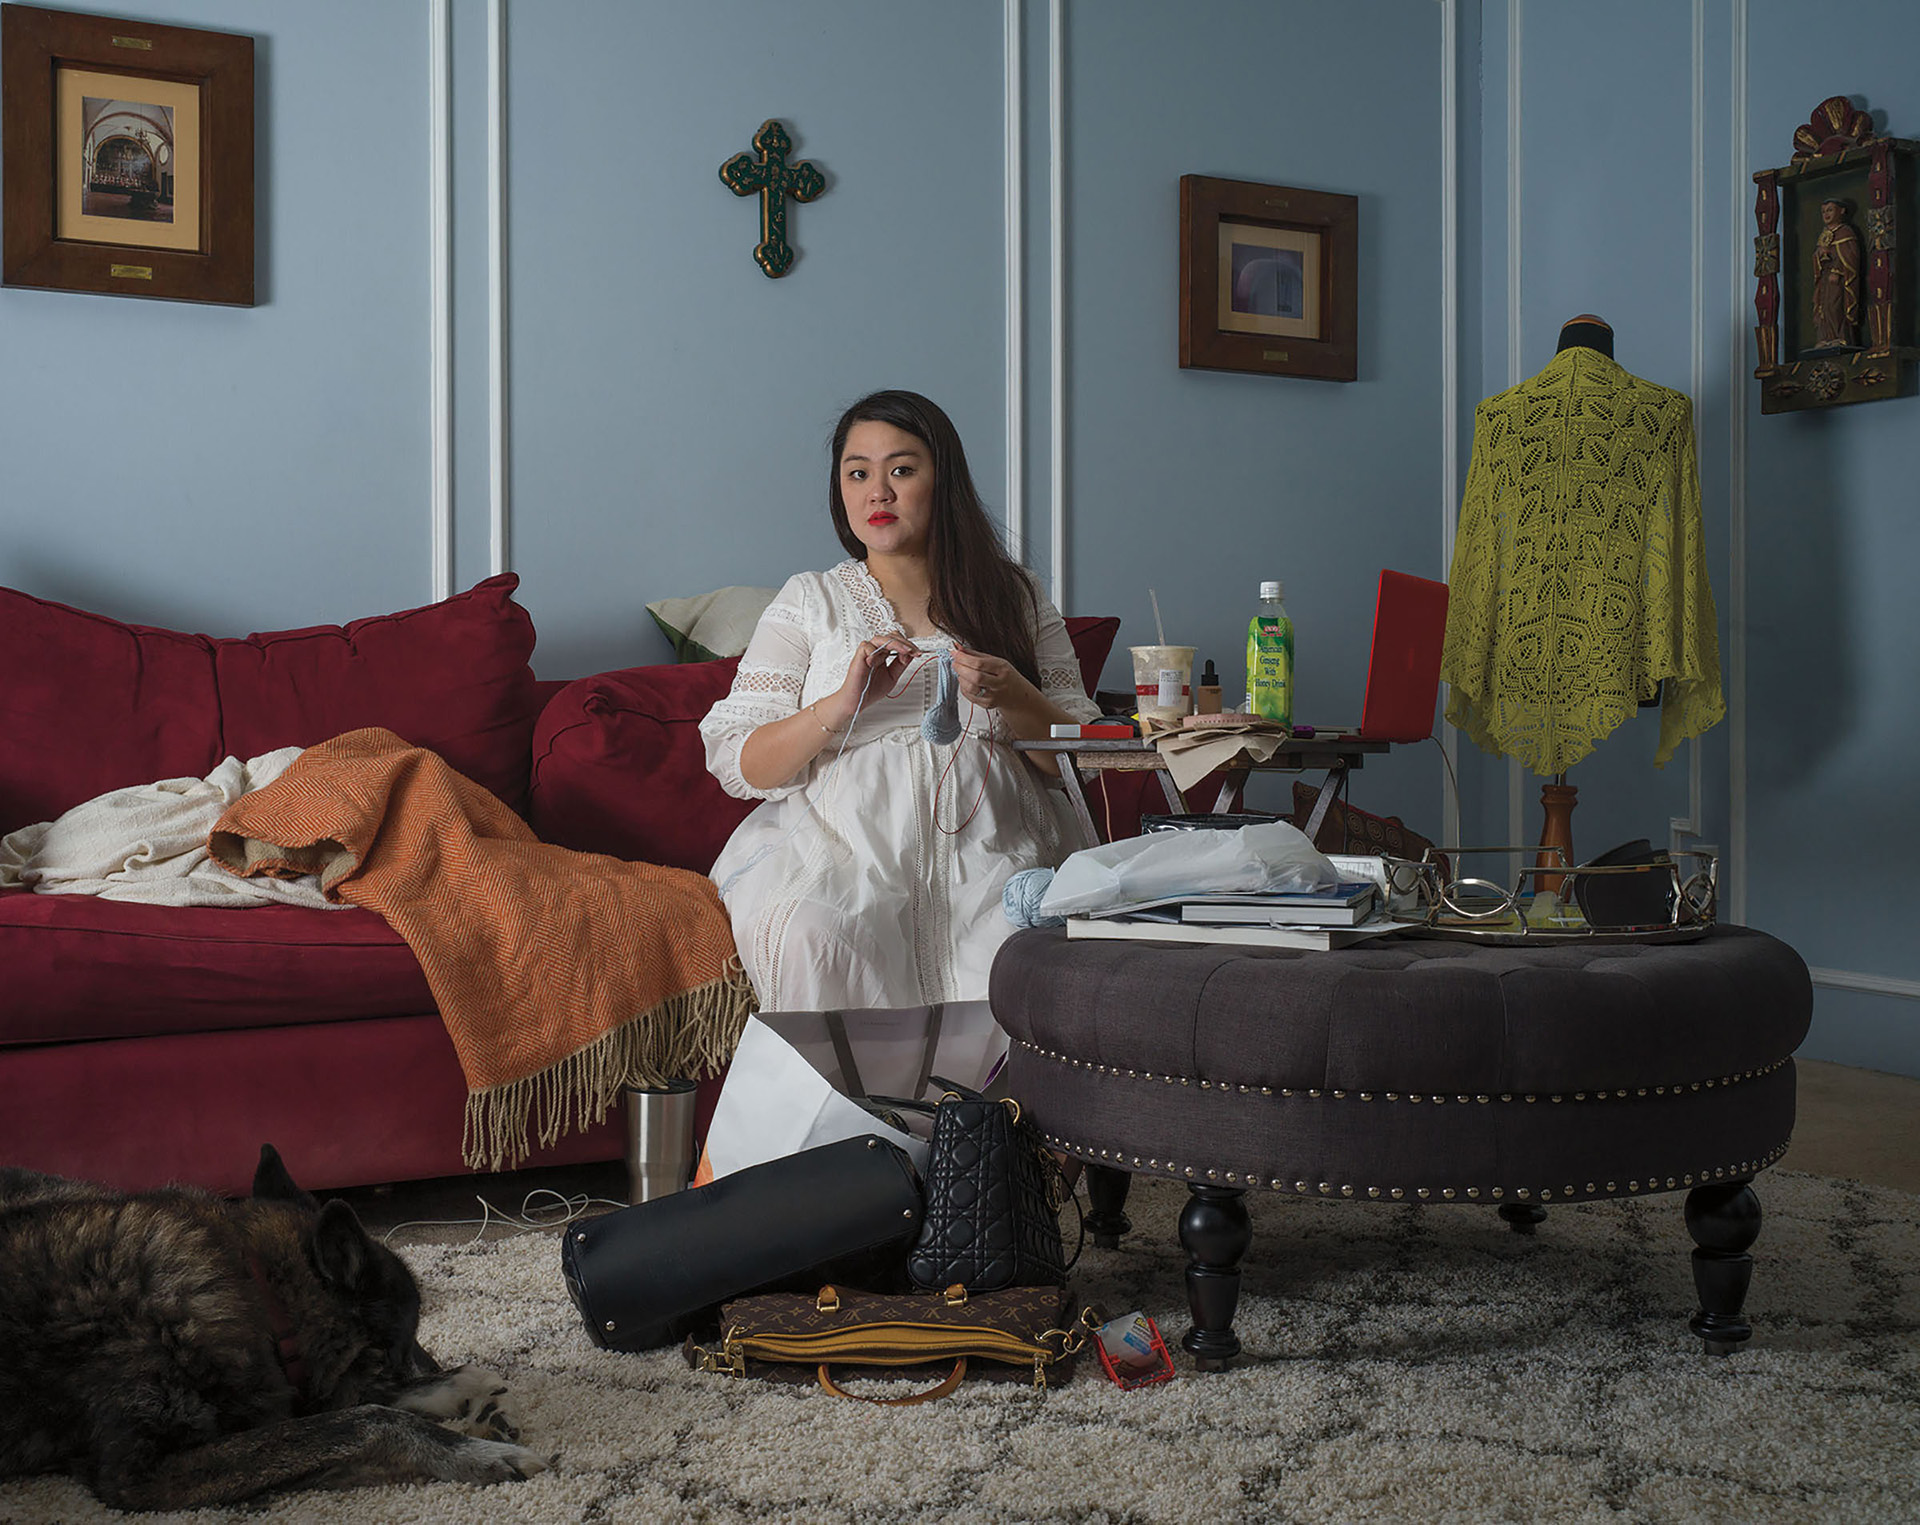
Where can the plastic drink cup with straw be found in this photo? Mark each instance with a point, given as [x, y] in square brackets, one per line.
[1162, 675]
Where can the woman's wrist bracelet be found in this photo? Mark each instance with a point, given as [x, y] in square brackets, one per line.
[829, 730]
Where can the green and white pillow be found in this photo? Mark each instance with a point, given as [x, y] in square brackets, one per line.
[709, 626]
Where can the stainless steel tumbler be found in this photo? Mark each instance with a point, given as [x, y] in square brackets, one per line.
[659, 1140]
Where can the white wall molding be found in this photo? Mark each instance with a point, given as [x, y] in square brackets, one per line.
[1057, 286]
[1514, 378]
[1737, 384]
[1680, 828]
[1869, 984]
[499, 521]
[1014, 214]
[1516, 775]
[440, 291]
[1449, 353]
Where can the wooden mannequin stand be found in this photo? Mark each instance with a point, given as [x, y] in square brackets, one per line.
[1583, 331]
[1557, 800]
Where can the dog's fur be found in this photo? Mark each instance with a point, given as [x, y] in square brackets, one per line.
[142, 1353]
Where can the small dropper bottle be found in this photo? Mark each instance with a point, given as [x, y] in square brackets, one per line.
[1206, 695]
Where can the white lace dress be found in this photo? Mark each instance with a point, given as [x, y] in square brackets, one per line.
[874, 881]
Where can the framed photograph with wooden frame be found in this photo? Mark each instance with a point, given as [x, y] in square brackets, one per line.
[1269, 279]
[128, 162]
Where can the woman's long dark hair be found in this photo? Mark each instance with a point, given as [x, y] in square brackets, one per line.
[978, 593]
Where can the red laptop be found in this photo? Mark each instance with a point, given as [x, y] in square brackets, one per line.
[1403, 669]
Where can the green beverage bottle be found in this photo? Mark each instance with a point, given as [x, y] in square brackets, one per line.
[1270, 657]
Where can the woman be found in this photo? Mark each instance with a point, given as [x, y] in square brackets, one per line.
[872, 874]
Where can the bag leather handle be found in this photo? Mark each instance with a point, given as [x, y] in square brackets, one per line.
[947, 1384]
[843, 1053]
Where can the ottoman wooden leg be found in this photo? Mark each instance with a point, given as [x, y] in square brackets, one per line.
[1215, 1232]
[1724, 1219]
[1107, 1191]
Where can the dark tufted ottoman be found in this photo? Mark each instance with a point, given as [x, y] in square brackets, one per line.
[1412, 1070]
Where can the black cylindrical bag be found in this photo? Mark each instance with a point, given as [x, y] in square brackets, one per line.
[650, 1274]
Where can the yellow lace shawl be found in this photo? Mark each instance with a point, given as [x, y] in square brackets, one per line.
[1579, 574]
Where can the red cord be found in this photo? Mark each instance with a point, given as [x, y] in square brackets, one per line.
[985, 776]
[911, 673]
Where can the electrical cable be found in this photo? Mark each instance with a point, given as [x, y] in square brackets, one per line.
[1453, 784]
[532, 1218]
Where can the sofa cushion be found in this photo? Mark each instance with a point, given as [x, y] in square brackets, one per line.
[709, 626]
[452, 677]
[89, 704]
[79, 967]
[619, 767]
[1092, 636]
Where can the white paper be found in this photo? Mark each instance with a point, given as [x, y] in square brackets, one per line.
[784, 1089]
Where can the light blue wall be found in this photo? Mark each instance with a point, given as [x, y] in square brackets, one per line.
[1640, 128]
[667, 404]
[671, 404]
[1198, 483]
[1602, 184]
[1833, 635]
[231, 468]
[228, 470]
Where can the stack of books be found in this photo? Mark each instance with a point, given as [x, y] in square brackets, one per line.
[1318, 919]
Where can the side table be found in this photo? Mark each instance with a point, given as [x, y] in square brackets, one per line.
[1334, 756]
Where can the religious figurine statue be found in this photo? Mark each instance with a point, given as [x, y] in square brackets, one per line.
[1836, 279]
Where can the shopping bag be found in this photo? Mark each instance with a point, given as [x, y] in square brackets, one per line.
[793, 1078]
[1270, 855]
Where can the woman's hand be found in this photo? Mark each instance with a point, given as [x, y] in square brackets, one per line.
[1025, 713]
[875, 664]
[991, 683]
[778, 751]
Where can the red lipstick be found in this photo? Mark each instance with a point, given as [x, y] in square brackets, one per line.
[883, 517]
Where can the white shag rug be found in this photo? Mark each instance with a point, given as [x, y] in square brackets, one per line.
[1402, 1363]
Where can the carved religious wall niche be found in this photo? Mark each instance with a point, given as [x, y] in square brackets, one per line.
[1833, 265]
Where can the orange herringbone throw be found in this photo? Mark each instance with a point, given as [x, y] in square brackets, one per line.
[562, 976]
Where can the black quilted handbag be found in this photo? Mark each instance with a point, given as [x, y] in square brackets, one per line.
[993, 1200]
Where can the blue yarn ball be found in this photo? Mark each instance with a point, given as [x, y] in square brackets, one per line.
[1020, 900]
[941, 724]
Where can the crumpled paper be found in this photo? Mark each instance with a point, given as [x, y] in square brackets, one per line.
[1192, 752]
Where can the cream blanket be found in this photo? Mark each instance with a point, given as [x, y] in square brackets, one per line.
[149, 843]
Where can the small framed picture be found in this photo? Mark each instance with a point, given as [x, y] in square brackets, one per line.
[1268, 279]
[128, 163]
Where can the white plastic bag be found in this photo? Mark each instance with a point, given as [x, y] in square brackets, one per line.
[1162, 865]
[787, 1088]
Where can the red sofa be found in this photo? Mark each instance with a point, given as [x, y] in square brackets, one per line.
[141, 1044]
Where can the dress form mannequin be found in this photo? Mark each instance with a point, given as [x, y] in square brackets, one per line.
[1558, 798]
[1559, 618]
[1586, 332]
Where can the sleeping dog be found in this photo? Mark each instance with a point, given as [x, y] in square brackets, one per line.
[172, 1349]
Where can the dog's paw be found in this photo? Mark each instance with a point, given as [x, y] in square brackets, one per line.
[469, 1399]
[489, 1461]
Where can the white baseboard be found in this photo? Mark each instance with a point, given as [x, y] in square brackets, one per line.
[1870, 984]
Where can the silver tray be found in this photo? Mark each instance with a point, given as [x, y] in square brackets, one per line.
[1427, 898]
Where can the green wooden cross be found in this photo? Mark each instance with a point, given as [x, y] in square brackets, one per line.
[775, 180]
